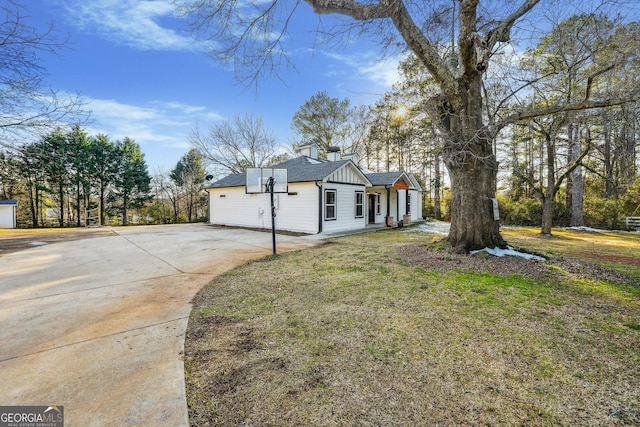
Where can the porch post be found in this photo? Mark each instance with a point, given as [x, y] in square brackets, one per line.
[406, 201]
[406, 219]
[388, 218]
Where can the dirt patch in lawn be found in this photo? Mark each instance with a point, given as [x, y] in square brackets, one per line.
[436, 258]
[614, 258]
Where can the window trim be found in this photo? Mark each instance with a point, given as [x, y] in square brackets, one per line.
[359, 205]
[378, 204]
[328, 205]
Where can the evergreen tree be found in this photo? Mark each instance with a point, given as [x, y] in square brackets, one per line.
[132, 182]
[189, 175]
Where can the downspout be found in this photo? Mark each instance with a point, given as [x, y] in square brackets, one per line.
[208, 205]
[319, 185]
[388, 208]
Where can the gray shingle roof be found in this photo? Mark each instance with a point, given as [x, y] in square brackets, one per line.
[300, 169]
[304, 169]
[384, 178]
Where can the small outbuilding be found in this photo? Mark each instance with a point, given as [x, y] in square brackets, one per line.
[8, 213]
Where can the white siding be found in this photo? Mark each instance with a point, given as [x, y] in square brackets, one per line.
[294, 212]
[416, 205]
[7, 216]
[415, 208]
[382, 194]
[299, 212]
[397, 201]
[302, 209]
[345, 208]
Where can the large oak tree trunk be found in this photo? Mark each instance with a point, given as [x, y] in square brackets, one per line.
[472, 222]
[469, 157]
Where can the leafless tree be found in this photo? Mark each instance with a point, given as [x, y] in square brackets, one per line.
[26, 107]
[233, 146]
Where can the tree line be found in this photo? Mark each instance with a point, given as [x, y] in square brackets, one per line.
[64, 175]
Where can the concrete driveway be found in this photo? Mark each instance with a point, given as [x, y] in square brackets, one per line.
[97, 325]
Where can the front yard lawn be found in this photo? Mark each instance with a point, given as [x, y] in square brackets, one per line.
[389, 328]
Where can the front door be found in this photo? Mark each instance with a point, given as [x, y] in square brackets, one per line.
[372, 208]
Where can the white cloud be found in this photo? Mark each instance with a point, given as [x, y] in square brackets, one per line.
[144, 25]
[367, 65]
[158, 124]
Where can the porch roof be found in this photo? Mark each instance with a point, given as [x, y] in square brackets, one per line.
[400, 180]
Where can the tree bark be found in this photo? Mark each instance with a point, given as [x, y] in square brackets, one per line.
[436, 188]
[469, 157]
[472, 223]
[547, 214]
[550, 193]
[577, 181]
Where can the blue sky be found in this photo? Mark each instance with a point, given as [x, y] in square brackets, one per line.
[142, 75]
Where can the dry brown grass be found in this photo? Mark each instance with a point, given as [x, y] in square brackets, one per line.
[383, 329]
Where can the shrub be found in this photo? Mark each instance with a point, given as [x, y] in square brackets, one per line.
[526, 212]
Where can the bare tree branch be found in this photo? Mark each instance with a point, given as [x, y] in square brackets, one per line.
[522, 116]
[234, 146]
[25, 107]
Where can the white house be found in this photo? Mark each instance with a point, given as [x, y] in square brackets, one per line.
[8, 213]
[324, 196]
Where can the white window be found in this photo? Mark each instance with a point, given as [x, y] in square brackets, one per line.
[359, 204]
[330, 204]
[378, 205]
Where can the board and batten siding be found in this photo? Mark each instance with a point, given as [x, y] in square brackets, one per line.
[296, 211]
[346, 175]
[345, 208]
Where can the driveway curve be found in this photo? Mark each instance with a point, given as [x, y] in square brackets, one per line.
[97, 325]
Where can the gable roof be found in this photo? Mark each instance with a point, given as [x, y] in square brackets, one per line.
[299, 169]
[303, 168]
[384, 178]
[392, 178]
